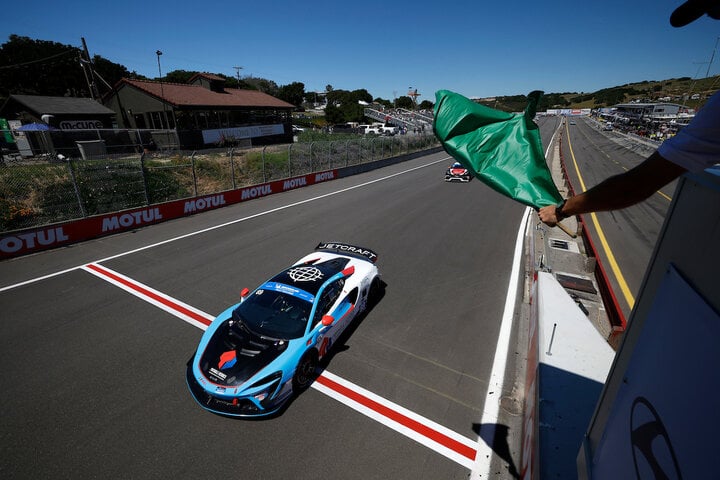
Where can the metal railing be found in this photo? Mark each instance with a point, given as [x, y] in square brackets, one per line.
[47, 189]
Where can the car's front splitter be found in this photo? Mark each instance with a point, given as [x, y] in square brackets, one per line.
[235, 406]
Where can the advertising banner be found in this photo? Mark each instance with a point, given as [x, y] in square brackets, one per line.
[37, 239]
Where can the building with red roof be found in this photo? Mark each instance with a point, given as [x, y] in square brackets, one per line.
[203, 113]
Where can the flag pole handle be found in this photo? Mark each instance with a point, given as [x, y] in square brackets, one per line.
[566, 230]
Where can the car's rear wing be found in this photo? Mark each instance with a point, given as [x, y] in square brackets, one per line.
[346, 249]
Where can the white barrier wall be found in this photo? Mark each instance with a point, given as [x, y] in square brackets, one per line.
[657, 416]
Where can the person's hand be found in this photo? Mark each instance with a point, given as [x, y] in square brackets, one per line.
[548, 215]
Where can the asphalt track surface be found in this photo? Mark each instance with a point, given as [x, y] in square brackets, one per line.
[93, 374]
[625, 238]
[95, 337]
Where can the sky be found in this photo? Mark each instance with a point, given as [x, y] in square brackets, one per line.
[472, 47]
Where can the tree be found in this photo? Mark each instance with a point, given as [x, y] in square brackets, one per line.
[177, 76]
[292, 93]
[333, 114]
[39, 67]
[112, 72]
[426, 105]
[383, 102]
[404, 102]
[262, 84]
[348, 104]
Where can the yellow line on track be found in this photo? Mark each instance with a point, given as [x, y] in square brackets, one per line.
[629, 298]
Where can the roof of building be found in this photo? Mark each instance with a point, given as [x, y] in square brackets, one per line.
[180, 94]
[209, 76]
[61, 105]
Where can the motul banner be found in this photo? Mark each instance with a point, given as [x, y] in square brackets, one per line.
[22, 242]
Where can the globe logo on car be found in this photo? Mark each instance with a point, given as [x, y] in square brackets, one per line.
[305, 274]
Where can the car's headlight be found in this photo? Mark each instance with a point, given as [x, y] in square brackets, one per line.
[271, 382]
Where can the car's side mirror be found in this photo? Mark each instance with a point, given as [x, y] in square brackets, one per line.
[327, 320]
[244, 293]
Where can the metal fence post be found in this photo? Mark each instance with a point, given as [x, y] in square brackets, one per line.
[263, 163]
[347, 153]
[289, 156]
[145, 179]
[192, 164]
[77, 189]
[232, 167]
[311, 149]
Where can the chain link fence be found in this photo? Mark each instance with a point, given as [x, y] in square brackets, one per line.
[46, 189]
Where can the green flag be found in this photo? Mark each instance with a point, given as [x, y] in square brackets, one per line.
[503, 150]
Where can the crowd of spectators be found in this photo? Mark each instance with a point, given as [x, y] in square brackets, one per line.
[654, 131]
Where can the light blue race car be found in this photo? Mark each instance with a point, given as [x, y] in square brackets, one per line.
[256, 354]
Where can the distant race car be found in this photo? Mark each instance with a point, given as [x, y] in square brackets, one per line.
[257, 353]
[457, 173]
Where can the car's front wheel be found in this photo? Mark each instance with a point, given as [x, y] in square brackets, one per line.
[305, 372]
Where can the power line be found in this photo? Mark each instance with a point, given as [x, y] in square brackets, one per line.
[17, 65]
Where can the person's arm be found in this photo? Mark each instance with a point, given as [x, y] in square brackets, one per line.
[619, 191]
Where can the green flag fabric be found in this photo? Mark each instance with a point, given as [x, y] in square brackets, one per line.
[503, 150]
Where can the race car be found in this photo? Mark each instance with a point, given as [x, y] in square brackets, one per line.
[256, 354]
[457, 173]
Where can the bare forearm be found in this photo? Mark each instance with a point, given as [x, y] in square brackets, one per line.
[626, 189]
[620, 191]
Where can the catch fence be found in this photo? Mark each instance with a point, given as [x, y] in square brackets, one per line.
[46, 189]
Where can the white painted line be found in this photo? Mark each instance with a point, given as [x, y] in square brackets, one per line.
[434, 436]
[193, 316]
[215, 227]
[491, 409]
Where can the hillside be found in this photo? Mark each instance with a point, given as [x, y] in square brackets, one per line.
[674, 90]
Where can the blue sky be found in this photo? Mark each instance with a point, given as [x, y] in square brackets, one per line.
[472, 47]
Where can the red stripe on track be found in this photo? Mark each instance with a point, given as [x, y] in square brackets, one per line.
[414, 425]
[149, 294]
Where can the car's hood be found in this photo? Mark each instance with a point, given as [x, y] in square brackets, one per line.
[234, 354]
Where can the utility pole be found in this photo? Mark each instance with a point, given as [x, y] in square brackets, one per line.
[162, 92]
[712, 57]
[94, 94]
[237, 70]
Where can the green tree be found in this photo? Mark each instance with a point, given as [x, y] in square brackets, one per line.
[262, 84]
[39, 67]
[333, 114]
[348, 104]
[383, 102]
[292, 93]
[177, 76]
[112, 72]
[404, 102]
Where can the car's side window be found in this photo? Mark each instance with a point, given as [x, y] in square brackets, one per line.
[352, 296]
[328, 298]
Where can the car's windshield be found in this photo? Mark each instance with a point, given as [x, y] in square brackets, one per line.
[274, 314]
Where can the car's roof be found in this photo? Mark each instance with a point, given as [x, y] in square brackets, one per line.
[311, 276]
